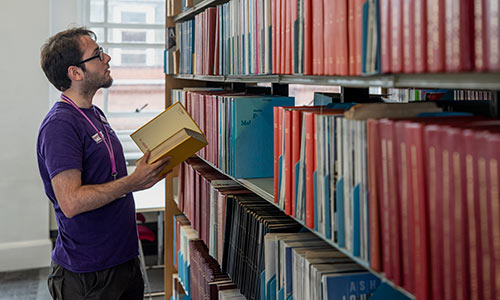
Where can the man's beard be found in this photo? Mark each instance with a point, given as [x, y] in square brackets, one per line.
[94, 82]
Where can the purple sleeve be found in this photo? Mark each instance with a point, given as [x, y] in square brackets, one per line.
[61, 147]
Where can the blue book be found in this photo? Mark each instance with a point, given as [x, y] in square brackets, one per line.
[252, 135]
[345, 286]
[281, 294]
[364, 36]
[323, 99]
[386, 291]
[263, 284]
[356, 221]
[271, 289]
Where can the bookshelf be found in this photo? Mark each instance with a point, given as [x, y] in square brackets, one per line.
[263, 187]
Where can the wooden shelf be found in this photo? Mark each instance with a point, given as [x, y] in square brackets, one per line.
[476, 81]
[264, 187]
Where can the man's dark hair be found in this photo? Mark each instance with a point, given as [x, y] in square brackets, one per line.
[61, 51]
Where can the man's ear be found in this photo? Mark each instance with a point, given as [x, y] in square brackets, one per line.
[75, 73]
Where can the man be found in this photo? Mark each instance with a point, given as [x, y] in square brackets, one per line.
[84, 175]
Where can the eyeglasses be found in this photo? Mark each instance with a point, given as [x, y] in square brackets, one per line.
[100, 56]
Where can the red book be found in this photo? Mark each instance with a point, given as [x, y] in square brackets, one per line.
[493, 179]
[211, 39]
[403, 166]
[279, 44]
[351, 27]
[474, 215]
[180, 186]
[293, 31]
[435, 36]
[480, 62]
[274, 16]
[396, 36]
[420, 28]
[492, 36]
[296, 137]
[486, 229]
[409, 36]
[373, 156]
[460, 247]
[438, 238]
[308, 38]
[358, 35]
[391, 234]
[330, 29]
[417, 186]
[287, 159]
[343, 37]
[216, 49]
[283, 36]
[310, 167]
[288, 35]
[317, 37]
[277, 151]
[459, 35]
[385, 35]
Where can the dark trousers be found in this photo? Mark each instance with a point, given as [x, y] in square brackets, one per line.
[123, 282]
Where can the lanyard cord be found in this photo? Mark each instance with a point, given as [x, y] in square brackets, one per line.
[109, 147]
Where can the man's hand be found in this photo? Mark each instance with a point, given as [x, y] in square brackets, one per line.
[146, 175]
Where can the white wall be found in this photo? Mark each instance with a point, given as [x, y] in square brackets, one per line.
[24, 94]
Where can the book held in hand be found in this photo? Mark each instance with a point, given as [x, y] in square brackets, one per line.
[172, 133]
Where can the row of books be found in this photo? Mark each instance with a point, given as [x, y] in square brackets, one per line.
[302, 266]
[410, 95]
[238, 128]
[203, 193]
[371, 36]
[248, 219]
[200, 276]
[321, 168]
[433, 189]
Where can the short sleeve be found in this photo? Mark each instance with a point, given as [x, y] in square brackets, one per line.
[61, 147]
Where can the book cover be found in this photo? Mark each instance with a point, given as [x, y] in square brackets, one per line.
[341, 286]
[253, 135]
[172, 133]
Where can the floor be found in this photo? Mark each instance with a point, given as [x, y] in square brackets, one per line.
[32, 284]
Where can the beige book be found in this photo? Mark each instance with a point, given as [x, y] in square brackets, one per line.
[172, 133]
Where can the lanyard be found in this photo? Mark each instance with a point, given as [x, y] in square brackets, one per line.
[109, 146]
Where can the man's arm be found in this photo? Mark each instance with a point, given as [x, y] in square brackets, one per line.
[75, 198]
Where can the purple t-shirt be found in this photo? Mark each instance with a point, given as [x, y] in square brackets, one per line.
[97, 239]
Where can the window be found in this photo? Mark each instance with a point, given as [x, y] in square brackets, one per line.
[132, 32]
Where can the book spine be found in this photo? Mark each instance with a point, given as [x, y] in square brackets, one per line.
[409, 36]
[435, 36]
[373, 196]
[385, 35]
[492, 15]
[310, 153]
[396, 36]
[420, 42]
[308, 33]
